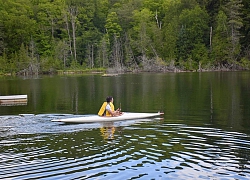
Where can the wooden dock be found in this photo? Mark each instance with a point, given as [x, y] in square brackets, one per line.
[13, 100]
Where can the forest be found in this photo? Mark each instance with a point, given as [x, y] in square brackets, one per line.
[46, 36]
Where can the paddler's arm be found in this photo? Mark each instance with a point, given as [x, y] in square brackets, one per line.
[115, 113]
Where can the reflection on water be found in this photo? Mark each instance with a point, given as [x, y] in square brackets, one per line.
[108, 130]
[33, 147]
[204, 134]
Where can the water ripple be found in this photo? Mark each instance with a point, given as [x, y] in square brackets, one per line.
[135, 150]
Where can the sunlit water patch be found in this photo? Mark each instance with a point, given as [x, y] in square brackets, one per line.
[33, 147]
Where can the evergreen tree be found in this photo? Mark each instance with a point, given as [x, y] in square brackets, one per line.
[245, 30]
[194, 30]
[220, 43]
[233, 10]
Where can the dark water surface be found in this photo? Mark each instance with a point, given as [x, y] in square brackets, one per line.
[204, 134]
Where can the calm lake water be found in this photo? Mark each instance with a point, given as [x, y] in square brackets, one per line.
[204, 133]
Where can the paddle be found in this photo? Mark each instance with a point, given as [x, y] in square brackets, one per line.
[120, 109]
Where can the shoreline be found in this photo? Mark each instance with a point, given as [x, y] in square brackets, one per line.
[116, 72]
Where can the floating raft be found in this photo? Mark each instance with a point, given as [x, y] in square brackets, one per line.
[13, 100]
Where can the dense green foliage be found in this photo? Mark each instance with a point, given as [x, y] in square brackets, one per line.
[46, 35]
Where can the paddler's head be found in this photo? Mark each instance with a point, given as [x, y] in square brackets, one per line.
[109, 99]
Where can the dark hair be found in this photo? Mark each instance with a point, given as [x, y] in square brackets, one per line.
[109, 99]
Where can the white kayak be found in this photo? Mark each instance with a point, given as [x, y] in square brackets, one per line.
[96, 118]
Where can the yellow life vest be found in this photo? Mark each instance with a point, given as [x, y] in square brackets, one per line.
[103, 112]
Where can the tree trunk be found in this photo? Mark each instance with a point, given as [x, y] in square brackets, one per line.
[68, 31]
[92, 56]
[73, 16]
[211, 34]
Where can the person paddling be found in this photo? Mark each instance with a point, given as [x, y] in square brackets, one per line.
[108, 108]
